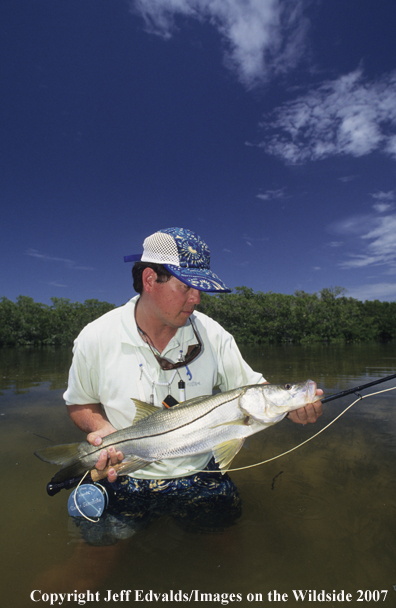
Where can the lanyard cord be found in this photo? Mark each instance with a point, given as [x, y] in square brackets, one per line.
[146, 372]
[154, 382]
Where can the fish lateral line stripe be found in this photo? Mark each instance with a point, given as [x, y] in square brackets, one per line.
[121, 441]
[170, 430]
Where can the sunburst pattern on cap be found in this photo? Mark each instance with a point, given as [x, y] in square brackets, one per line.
[185, 255]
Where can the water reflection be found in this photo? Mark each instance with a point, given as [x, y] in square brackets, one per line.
[321, 517]
[25, 367]
[334, 367]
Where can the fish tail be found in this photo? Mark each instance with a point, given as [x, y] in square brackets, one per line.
[70, 456]
[59, 454]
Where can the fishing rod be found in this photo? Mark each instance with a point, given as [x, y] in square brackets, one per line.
[357, 388]
[53, 488]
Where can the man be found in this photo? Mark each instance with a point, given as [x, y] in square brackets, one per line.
[156, 348]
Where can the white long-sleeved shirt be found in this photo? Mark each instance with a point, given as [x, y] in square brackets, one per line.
[113, 364]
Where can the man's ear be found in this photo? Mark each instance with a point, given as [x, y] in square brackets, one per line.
[149, 277]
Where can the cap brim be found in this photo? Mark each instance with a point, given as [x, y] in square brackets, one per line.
[198, 278]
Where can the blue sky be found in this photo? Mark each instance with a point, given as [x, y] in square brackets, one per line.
[266, 126]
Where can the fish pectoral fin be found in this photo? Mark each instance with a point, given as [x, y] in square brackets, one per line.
[249, 419]
[225, 452]
[240, 422]
[59, 454]
[143, 410]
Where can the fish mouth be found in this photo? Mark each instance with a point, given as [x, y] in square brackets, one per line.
[311, 391]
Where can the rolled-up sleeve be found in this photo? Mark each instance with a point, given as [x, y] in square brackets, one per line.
[233, 371]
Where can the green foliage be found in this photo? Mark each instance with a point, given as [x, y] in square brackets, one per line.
[263, 318]
[252, 318]
[27, 322]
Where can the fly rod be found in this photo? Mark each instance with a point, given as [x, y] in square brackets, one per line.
[54, 488]
[357, 388]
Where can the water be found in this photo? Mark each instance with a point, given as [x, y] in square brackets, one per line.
[320, 518]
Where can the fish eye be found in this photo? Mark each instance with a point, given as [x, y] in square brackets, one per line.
[288, 386]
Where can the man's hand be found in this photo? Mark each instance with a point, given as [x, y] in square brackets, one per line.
[91, 419]
[109, 457]
[309, 413]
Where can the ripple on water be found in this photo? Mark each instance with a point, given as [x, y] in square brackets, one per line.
[300, 499]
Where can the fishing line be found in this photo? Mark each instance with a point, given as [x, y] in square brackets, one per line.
[250, 466]
[94, 521]
[53, 488]
[257, 464]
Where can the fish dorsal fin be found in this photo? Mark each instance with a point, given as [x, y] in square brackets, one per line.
[143, 410]
[225, 452]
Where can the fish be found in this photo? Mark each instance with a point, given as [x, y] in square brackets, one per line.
[217, 423]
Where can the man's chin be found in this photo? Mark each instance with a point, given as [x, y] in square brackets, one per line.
[184, 317]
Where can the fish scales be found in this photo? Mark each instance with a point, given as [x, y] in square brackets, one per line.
[198, 433]
[216, 423]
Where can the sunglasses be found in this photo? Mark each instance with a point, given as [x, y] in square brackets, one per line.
[192, 352]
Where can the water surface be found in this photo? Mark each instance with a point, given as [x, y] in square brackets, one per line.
[319, 518]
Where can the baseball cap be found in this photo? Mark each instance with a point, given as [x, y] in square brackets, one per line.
[184, 254]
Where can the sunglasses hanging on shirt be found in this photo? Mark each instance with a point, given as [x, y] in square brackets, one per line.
[192, 353]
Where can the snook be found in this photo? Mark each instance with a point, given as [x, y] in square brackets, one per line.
[217, 423]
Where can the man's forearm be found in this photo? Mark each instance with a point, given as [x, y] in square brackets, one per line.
[90, 418]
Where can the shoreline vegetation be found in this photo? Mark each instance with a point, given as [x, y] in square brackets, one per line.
[252, 317]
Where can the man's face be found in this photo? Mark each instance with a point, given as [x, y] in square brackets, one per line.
[173, 301]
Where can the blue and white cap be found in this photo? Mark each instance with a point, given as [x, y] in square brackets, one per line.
[184, 254]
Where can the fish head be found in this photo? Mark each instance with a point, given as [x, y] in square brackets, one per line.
[265, 402]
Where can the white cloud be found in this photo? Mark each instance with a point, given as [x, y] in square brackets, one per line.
[391, 145]
[261, 37]
[271, 194]
[50, 258]
[376, 240]
[383, 237]
[381, 196]
[347, 178]
[348, 116]
[374, 291]
[249, 239]
[382, 207]
[357, 224]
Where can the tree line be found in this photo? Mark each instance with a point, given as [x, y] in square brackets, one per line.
[28, 322]
[327, 316]
[252, 317]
